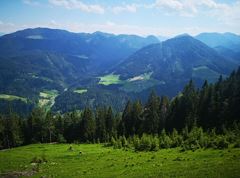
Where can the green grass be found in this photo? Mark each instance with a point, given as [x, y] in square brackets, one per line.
[12, 97]
[99, 161]
[47, 98]
[145, 76]
[35, 37]
[80, 91]
[110, 79]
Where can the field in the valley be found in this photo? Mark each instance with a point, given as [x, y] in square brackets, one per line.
[93, 160]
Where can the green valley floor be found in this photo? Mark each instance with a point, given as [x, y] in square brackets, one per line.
[95, 160]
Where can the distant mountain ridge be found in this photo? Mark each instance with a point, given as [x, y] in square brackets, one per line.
[69, 71]
[227, 40]
[174, 62]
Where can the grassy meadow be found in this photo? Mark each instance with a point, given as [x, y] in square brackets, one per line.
[109, 79]
[12, 97]
[46, 98]
[95, 160]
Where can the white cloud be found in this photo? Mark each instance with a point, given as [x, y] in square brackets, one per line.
[77, 4]
[7, 27]
[31, 2]
[125, 8]
[227, 13]
[171, 4]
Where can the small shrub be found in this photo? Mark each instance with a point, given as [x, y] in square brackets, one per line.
[237, 144]
[154, 144]
[113, 141]
[222, 142]
[70, 148]
[165, 142]
[118, 144]
[145, 143]
[61, 139]
[124, 142]
[39, 159]
[136, 142]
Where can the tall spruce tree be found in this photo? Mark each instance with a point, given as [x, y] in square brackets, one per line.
[87, 125]
[136, 124]
[126, 123]
[101, 132]
[151, 114]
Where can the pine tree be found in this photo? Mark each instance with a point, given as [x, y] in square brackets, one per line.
[163, 111]
[50, 125]
[136, 119]
[151, 114]
[36, 126]
[110, 123]
[101, 124]
[127, 119]
[87, 125]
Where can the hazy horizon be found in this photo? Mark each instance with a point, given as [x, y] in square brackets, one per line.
[140, 17]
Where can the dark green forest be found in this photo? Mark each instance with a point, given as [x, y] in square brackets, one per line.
[196, 118]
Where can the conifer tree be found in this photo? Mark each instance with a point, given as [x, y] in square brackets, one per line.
[151, 114]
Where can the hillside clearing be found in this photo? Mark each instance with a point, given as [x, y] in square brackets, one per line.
[47, 98]
[12, 97]
[109, 79]
[80, 91]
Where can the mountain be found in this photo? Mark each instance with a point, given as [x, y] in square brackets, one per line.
[167, 66]
[226, 40]
[100, 49]
[163, 38]
[42, 63]
[66, 71]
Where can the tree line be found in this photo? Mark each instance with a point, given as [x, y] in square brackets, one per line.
[212, 107]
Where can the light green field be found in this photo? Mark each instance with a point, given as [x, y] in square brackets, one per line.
[145, 76]
[109, 79]
[35, 37]
[47, 98]
[80, 91]
[98, 161]
[12, 97]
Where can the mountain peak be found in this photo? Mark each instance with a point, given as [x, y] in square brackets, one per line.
[103, 34]
[183, 40]
[183, 35]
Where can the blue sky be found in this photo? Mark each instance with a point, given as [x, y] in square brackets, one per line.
[142, 17]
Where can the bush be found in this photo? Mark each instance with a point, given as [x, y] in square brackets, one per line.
[145, 143]
[113, 141]
[136, 142]
[39, 159]
[155, 144]
[61, 139]
[124, 142]
[165, 141]
[222, 142]
[118, 144]
[194, 139]
[237, 144]
[176, 139]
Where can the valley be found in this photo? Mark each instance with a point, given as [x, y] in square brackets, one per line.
[130, 89]
[90, 64]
